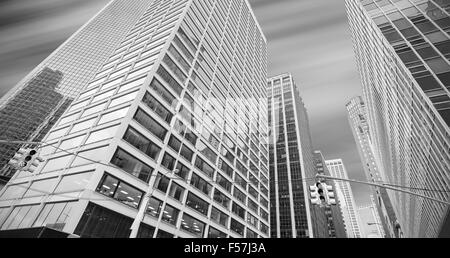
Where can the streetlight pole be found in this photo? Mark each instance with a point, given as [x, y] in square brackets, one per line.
[383, 186]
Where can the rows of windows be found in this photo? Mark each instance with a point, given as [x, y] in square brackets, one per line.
[199, 149]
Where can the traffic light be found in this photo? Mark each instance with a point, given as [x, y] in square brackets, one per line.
[322, 192]
[26, 159]
[329, 194]
[315, 198]
[32, 160]
[18, 161]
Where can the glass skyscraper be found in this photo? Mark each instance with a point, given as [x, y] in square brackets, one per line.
[361, 132]
[291, 164]
[402, 50]
[173, 126]
[347, 200]
[31, 108]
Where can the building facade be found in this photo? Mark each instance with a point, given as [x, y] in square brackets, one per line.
[335, 219]
[372, 226]
[291, 163]
[30, 109]
[361, 132]
[402, 50]
[347, 200]
[169, 139]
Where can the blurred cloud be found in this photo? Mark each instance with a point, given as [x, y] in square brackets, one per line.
[308, 38]
[31, 29]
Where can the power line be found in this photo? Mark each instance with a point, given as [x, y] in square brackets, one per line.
[209, 181]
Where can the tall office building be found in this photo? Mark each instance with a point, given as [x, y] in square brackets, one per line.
[345, 195]
[290, 162]
[335, 219]
[361, 132]
[31, 108]
[372, 226]
[403, 50]
[169, 137]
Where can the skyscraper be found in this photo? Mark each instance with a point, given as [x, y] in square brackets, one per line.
[345, 195]
[27, 113]
[361, 132]
[402, 51]
[168, 138]
[371, 227]
[334, 214]
[291, 163]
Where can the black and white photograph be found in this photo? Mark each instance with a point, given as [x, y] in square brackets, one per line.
[243, 120]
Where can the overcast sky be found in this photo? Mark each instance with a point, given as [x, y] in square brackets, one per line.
[308, 38]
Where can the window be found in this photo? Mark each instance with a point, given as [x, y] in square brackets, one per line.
[145, 231]
[89, 156]
[150, 124]
[197, 203]
[252, 205]
[41, 187]
[154, 207]
[98, 222]
[176, 191]
[240, 181]
[69, 118]
[239, 195]
[57, 163]
[161, 183]
[174, 143]
[252, 220]
[226, 168]
[164, 93]
[192, 225]
[237, 227]
[14, 191]
[251, 234]
[93, 110]
[219, 217]
[238, 210]
[223, 182]
[214, 233]
[123, 99]
[102, 134]
[54, 215]
[264, 228]
[129, 85]
[142, 143]
[163, 234]
[170, 214]
[200, 184]
[205, 150]
[20, 217]
[120, 113]
[131, 165]
[57, 133]
[82, 125]
[123, 192]
[173, 84]
[221, 198]
[253, 192]
[204, 167]
[181, 170]
[168, 161]
[75, 182]
[157, 107]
